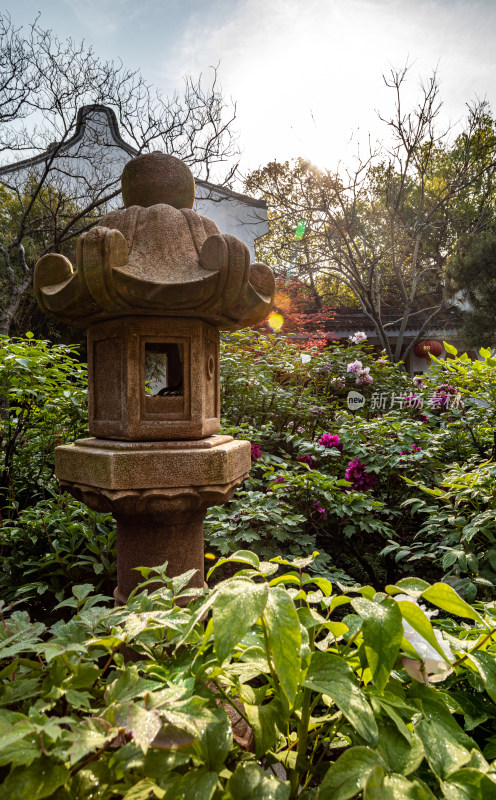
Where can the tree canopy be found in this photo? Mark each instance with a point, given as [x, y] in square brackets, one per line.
[383, 230]
[44, 82]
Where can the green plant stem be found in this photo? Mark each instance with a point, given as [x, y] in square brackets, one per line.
[230, 701]
[476, 647]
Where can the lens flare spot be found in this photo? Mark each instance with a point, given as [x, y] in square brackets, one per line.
[275, 321]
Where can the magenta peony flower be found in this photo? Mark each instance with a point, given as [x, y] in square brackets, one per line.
[357, 475]
[331, 440]
[306, 459]
[320, 510]
[256, 451]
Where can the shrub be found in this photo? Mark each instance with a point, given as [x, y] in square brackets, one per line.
[354, 694]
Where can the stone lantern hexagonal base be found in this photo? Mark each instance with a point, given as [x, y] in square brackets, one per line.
[158, 493]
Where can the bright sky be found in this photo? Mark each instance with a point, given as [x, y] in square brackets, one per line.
[306, 74]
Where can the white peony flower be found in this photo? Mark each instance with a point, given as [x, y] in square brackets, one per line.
[358, 337]
[431, 668]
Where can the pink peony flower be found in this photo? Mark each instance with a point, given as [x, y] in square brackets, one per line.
[364, 378]
[256, 451]
[355, 367]
[331, 440]
[358, 337]
[357, 475]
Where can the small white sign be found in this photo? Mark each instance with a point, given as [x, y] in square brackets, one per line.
[355, 400]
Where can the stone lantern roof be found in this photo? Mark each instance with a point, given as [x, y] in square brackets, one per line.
[156, 257]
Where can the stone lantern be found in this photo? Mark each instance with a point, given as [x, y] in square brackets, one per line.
[155, 282]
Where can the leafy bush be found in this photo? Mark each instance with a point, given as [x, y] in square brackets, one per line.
[43, 393]
[354, 694]
[51, 546]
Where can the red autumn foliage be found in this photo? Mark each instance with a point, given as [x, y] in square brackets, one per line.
[299, 308]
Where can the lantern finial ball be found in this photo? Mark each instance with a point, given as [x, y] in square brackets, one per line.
[154, 178]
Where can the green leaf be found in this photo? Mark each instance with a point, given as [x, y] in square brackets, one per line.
[447, 747]
[250, 782]
[284, 637]
[143, 724]
[237, 606]
[398, 753]
[413, 586]
[486, 664]
[239, 557]
[38, 780]
[348, 775]
[264, 721]
[394, 787]
[89, 735]
[450, 349]
[216, 741]
[331, 675]
[141, 790]
[382, 634]
[469, 784]
[420, 623]
[196, 784]
[445, 597]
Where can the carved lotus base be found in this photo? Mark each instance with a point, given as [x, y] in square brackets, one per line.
[158, 492]
[153, 501]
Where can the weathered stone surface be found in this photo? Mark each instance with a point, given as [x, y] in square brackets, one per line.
[158, 493]
[157, 177]
[156, 257]
[118, 406]
[123, 467]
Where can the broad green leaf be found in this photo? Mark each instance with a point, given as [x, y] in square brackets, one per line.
[399, 754]
[284, 635]
[412, 586]
[394, 787]
[382, 634]
[331, 675]
[87, 736]
[82, 590]
[420, 623]
[348, 774]
[450, 349]
[447, 747]
[486, 664]
[239, 557]
[237, 606]
[469, 784]
[216, 740]
[264, 721]
[250, 782]
[142, 790]
[445, 597]
[196, 784]
[39, 780]
[143, 724]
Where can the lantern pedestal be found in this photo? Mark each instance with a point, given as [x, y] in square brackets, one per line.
[158, 492]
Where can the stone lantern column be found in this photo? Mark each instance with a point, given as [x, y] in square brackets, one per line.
[155, 282]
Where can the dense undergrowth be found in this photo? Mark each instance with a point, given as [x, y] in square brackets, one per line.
[359, 629]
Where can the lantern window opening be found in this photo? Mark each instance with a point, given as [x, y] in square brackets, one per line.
[164, 374]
